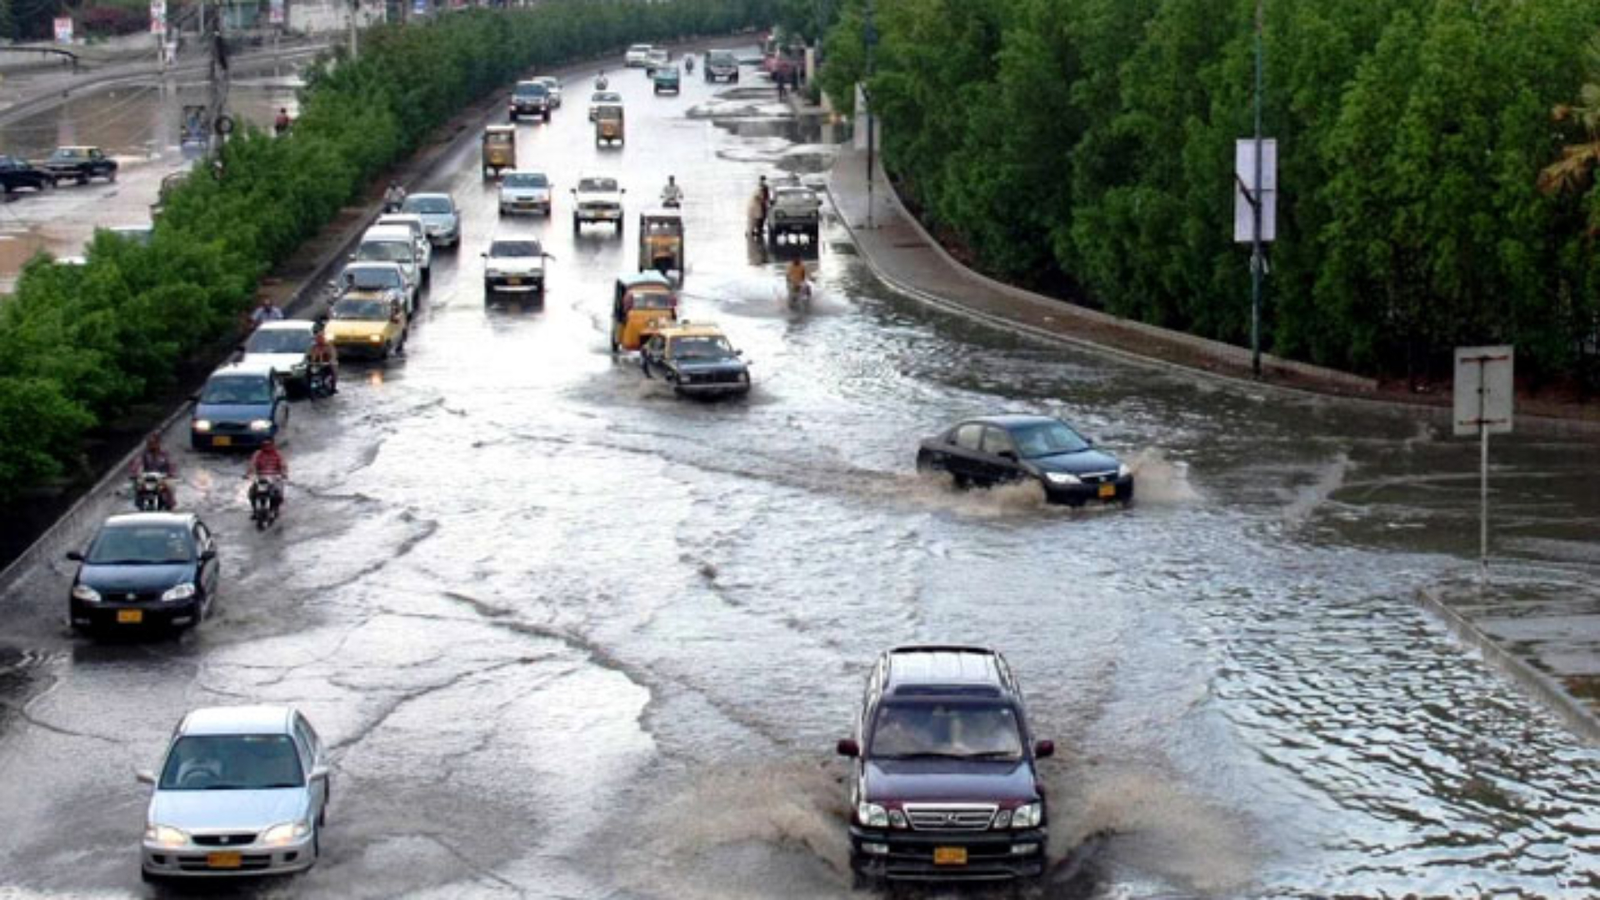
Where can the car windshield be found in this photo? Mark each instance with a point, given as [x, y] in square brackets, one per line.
[1047, 439]
[532, 89]
[514, 249]
[141, 545]
[353, 308]
[606, 97]
[597, 185]
[385, 251]
[526, 180]
[432, 206]
[721, 56]
[961, 730]
[275, 340]
[238, 391]
[372, 279]
[701, 348]
[232, 762]
[67, 154]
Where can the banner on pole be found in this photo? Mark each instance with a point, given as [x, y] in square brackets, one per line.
[64, 30]
[1483, 390]
[275, 12]
[158, 16]
[1244, 178]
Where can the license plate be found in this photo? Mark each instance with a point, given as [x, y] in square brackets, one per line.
[949, 856]
[513, 281]
[222, 441]
[225, 860]
[130, 616]
[1108, 490]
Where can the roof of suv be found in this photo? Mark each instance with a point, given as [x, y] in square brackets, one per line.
[946, 669]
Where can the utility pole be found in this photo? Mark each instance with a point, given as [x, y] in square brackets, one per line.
[217, 122]
[355, 8]
[1257, 261]
[869, 33]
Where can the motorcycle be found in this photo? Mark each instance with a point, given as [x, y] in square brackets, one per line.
[393, 201]
[671, 201]
[688, 64]
[266, 496]
[150, 493]
[799, 295]
[319, 381]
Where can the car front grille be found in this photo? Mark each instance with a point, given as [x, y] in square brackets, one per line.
[131, 596]
[951, 816]
[239, 839]
[1098, 477]
[230, 427]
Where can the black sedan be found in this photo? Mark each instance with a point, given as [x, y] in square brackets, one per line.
[145, 569]
[81, 164]
[16, 174]
[997, 449]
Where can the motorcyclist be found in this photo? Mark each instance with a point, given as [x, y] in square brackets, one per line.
[268, 463]
[322, 354]
[600, 82]
[795, 276]
[672, 195]
[394, 197]
[280, 125]
[265, 312]
[688, 63]
[154, 459]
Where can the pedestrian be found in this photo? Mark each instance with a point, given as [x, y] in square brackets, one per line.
[280, 125]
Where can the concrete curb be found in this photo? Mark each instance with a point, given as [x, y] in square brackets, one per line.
[1540, 687]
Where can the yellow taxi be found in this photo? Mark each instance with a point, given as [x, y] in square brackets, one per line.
[368, 323]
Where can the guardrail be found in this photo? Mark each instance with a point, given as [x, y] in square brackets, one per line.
[49, 51]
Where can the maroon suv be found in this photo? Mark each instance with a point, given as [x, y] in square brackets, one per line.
[944, 785]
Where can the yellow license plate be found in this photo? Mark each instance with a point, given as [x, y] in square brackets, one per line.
[222, 441]
[130, 616]
[1108, 490]
[513, 281]
[224, 860]
[949, 856]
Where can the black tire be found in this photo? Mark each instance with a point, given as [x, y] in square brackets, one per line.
[388, 350]
[111, 176]
[577, 224]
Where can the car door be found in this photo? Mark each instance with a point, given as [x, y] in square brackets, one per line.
[314, 758]
[962, 459]
[205, 546]
[280, 406]
[999, 456]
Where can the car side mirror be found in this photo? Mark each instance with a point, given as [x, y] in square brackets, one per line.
[623, 191]
[75, 555]
[573, 191]
[208, 554]
[1008, 454]
[848, 747]
[145, 776]
[1044, 749]
[1089, 441]
[320, 773]
[352, 256]
[484, 254]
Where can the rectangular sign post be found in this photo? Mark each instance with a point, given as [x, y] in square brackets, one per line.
[64, 30]
[1483, 405]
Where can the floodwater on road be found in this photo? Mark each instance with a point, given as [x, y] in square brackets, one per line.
[571, 636]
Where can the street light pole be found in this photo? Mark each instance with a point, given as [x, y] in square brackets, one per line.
[1257, 261]
[870, 35]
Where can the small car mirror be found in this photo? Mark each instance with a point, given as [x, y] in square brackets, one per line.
[75, 555]
[848, 747]
[1089, 441]
[484, 254]
[352, 256]
[572, 190]
[1008, 454]
[145, 776]
[1044, 749]
[320, 773]
[208, 554]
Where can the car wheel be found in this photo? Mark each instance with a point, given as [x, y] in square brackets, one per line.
[111, 175]
[388, 350]
[924, 462]
[83, 179]
[577, 224]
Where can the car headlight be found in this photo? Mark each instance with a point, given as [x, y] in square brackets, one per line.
[301, 366]
[375, 338]
[494, 273]
[85, 593]
[872, 815]
[178, 592]
[202, 425]
[166, 836]
[1123, 471]
[260, 424]
[1062, 478]
[287, 833]
[1029, 815]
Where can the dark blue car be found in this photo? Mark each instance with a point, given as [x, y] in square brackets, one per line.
[241, 405]
[145, 570]
[994, 450]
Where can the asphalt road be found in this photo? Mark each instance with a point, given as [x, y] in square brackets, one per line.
[571, 636]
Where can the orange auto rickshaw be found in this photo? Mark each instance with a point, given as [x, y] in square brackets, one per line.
[499, 149]
[661, 243]
[608, 125]
[643, 302]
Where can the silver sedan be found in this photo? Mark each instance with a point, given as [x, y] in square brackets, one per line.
[242, 790]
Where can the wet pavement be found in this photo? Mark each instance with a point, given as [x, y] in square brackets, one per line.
[570, 636]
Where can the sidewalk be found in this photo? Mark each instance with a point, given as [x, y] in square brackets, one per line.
[1548, 641]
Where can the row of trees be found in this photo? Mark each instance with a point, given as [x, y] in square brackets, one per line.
[81, 345]
[1087, 145]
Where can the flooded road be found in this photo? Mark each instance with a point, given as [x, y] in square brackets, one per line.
[570, 636]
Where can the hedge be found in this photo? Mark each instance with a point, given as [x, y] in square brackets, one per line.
[82, 345]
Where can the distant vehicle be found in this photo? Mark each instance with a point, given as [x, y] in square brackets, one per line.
[439, 216]
[530, 98]
[239, 406]
[795, 210]
[419, 235]
[696, 359]
[661, 243]
[513, 266]
[722, 65]
[657, 58]
[665, 80]
[146, 569]
[242, 790]
[16, 174]
[524, 191]
[282, 345]
[602, 98]
[943, 784]
[638, 56]
[499, 149]
[397, 246]
[994, 450]
[609, 124]
[641, 304]
[370, 318]
[553, 85]
[598, 200]
[81, 164]
[384, 281]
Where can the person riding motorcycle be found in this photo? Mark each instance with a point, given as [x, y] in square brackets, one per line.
[688, 63]
[394, 197]
[154, 459]
[672, 195]
[268, 463]
[795, 276]
[323, 355]
[600, 82]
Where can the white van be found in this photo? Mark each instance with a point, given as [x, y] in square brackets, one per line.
[419, 231]
[392, 243]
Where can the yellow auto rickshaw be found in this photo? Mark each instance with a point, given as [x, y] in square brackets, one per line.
[608, 123]
[499, 149]
[643, 303]
[661, 243]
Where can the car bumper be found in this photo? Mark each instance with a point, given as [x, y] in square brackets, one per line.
[444, 236]
[359, 349]
[600, 215]
[525, 286]
[525, 206]
[712, 388]
[252, 859]
[1080, 494]
[228, 440]
[106, 616]
[908, 856]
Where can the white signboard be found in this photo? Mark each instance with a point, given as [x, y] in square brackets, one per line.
[275, 13]
[1483, 390]
[64, 30]
[158, 16]
[1244, 170]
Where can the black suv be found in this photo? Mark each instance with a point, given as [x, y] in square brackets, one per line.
[530, 98]
[81, 164]
[722, 65]
[944, 784]
[16, 173]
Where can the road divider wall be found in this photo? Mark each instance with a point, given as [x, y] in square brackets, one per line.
[82, 345]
